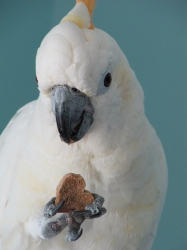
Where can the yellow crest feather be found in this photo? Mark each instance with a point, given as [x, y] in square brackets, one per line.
[90, 4]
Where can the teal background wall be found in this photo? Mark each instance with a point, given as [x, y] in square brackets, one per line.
[153, 35]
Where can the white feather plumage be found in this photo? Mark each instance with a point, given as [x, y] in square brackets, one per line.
[120, 158]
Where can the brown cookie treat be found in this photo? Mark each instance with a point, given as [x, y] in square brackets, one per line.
[71, 189]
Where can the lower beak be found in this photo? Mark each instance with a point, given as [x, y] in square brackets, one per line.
[73, 111]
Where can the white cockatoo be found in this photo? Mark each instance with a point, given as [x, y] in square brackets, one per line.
[89, 119]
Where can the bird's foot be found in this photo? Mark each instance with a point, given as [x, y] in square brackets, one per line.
[51, 227]
[73, 236]
[50, 209]
[54, 225]
[74, 231]
[94, 210]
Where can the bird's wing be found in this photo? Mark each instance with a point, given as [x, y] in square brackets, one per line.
[10, 144]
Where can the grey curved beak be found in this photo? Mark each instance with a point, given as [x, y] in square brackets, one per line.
[73, 111]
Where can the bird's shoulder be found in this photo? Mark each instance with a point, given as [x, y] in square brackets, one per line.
[19, 121]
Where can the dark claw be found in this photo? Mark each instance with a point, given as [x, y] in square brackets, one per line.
[94, 210]
[73, 236]
[55, 210]
[49, 203]
[83, 213]
[50, 209]
[88, 214]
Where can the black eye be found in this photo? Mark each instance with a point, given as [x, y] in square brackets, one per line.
[36, 79]
[107, 80]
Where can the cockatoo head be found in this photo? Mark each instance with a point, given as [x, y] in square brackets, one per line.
[87, 78]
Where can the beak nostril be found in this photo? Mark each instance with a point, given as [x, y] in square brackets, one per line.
[74, 89]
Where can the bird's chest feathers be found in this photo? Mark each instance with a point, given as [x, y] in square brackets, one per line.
[98, 171]
[45, 171]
